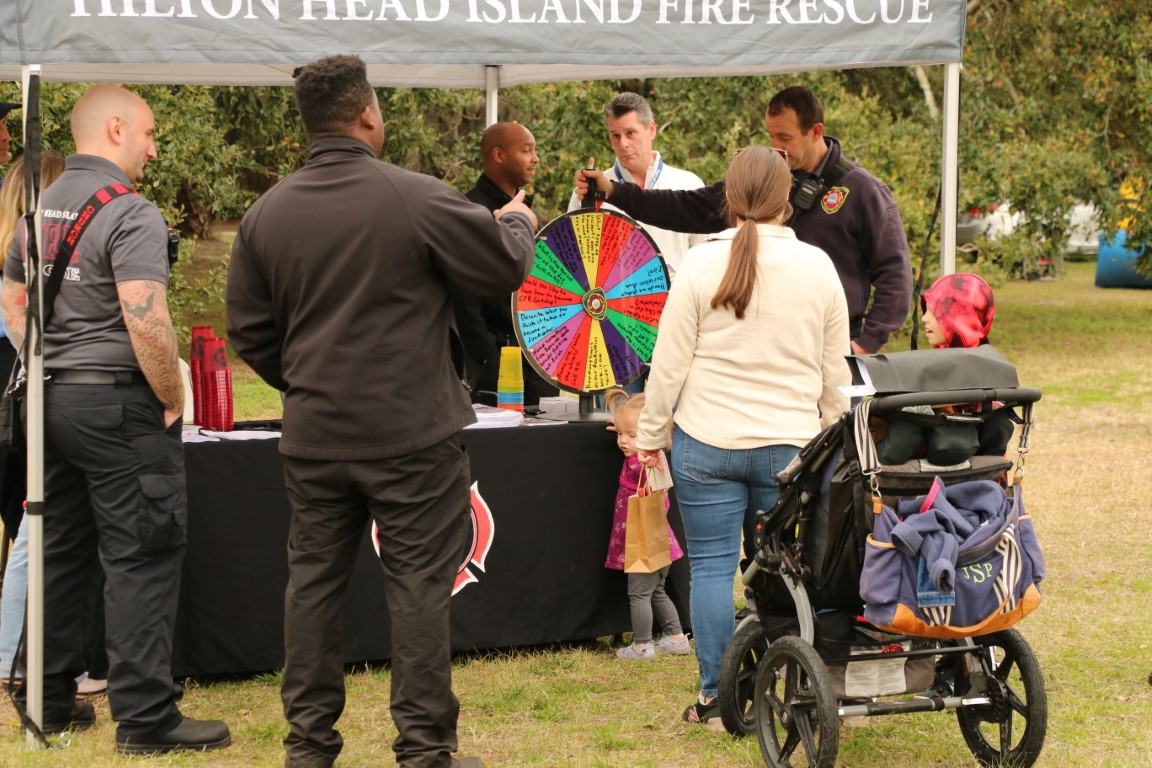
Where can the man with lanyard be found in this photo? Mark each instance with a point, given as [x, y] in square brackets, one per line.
[631, 130]
[510, 161]
[113, 458]
[838, 207]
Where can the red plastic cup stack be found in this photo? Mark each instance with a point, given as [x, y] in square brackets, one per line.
[216, 382]
[200, 333]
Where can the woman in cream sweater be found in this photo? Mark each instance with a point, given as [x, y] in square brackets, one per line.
[747, 363]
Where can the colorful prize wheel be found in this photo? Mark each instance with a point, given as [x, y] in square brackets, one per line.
[586, 317]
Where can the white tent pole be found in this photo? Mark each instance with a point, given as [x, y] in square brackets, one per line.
[949, 175]
[492, 86]
[34, 429]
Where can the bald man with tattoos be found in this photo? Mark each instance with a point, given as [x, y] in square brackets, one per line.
[113, 459]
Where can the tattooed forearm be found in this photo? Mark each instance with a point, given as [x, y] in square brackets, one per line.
[145, 307]
[14, 297]
[139, 309]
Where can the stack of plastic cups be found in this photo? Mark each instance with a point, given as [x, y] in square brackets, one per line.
[510, 384]
[200, 334]
[216, 380]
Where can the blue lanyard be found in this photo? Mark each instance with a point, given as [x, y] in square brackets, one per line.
[655, 176]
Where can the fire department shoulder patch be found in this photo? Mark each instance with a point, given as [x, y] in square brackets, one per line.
[833, 199]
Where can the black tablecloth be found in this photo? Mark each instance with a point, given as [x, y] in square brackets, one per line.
[551, 491]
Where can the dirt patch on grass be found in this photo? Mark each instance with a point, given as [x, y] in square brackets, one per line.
[215, 250]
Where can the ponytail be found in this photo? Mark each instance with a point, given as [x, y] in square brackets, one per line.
[756, 189]
[735, 291]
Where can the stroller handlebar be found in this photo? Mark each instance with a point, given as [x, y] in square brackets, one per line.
[882, 404]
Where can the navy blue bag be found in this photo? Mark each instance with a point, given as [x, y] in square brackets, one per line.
[961, 561]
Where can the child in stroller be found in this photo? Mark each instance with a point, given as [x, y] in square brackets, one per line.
[958, 311]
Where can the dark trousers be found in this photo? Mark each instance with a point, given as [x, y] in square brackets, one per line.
[114, 500]
[420, 504]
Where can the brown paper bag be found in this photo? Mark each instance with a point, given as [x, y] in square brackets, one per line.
[646, 533]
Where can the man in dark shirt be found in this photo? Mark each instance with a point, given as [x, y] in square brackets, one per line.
[113, 460]
[838, 207]
[510, 161]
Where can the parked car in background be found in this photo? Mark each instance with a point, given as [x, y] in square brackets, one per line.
[994, 221]
[1000, 220]
[1084, 221]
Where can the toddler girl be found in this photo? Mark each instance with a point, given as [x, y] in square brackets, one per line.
[646, 595]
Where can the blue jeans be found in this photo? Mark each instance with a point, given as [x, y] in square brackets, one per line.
[714, 488]
[14, 605]
[13, 601]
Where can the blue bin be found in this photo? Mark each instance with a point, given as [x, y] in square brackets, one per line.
[1116, 265]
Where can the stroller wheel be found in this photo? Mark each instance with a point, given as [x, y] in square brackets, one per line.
[1009, 731]
[736, 687]
[796, 719]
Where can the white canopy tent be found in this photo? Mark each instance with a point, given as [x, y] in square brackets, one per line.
[449, 43]
[483, 44]
[469, 43]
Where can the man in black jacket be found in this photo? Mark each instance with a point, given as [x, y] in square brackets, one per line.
[837, 206]
[510, 161]
[340, 295]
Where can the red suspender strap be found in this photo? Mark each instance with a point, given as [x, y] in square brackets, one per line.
[64, 254]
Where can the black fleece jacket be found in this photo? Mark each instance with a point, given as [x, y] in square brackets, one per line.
[856, 223]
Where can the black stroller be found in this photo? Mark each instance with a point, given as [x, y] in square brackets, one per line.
[806, 657]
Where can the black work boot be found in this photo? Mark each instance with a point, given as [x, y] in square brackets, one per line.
[82, 716]
[189, 734]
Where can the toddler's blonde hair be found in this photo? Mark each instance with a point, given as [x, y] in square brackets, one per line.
[617, 400]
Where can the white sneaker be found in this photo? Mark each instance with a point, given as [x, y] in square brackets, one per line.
[673, 646]
[635, 652]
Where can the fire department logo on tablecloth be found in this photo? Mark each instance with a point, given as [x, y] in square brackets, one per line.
[833, 199]
[483, 532]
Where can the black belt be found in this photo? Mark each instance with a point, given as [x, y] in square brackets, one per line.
[113, 378]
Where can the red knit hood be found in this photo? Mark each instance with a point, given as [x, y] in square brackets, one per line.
[962, 304]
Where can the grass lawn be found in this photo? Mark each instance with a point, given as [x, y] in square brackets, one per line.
[1088, 485]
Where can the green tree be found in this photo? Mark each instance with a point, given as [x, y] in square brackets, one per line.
[1055, 110]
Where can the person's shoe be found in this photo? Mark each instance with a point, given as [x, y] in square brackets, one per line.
[749, 608]
[673, 646]
[635, 652]
[940, 690]
[82, 716]
[707, 715]
[89, 687]
[196, 735]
